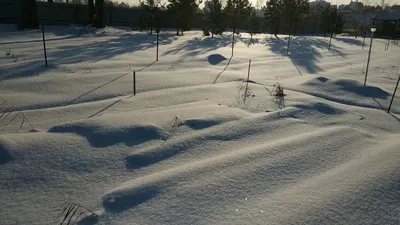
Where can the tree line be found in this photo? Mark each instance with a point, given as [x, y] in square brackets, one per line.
[217, 16]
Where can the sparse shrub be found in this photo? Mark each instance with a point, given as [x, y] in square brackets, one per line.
[245, 94]
[176, 122]
[8, 50]
[6, 109]
[71, 213]
[65, 69]
[278, 90]
[15, 58]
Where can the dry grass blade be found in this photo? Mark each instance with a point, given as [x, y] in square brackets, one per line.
[70, 213]
[79, 216]
[7, 112]
[176, 122]
[70, 208]
[64, 207]
[278, 90]
[22, 123]
[8, 50]
[3, 104]
[7, 109]
[245, 95]
[28, 121]
[10, 121]
[15, 58]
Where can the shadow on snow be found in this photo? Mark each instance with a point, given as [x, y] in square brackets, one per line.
[90, 52]
[304, 51]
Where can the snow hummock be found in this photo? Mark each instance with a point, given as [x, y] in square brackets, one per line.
[187, 148]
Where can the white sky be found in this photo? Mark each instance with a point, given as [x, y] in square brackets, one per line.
[335, 2]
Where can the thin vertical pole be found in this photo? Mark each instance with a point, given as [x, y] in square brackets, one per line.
[388, 43]
[134, 82]
[288, 46]
[157, 44]
[233, 41]
[44, 46]
[369, 57]
[394, 93]
[247, 83]
[385, 45]
[365, 34]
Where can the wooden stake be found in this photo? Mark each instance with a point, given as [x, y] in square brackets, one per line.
[288, 46]
[394, 94]
[134, 82]
[365, 34]
[233, 41]
[158, 31]
[247, 83]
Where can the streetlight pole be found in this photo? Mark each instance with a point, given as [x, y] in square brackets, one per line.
[373, 29]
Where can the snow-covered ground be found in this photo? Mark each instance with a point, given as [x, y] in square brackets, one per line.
[188, 149]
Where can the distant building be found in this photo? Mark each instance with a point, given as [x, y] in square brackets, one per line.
[387, 24]
[395, 8]
[356, 6]
[355, 16]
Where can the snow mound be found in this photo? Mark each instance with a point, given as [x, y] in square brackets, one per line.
[289, 158]
[319, 108]
[103, 133]
[344, 91]
[325, 153]
[198, 124]
[123, 198]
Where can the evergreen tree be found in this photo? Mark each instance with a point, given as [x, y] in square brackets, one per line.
[237, 10]
[273, 15]
[294, 13]
[214, 16]
[91, 11]
[332, 22]
[100, 21]
[153, 11]
[314, 16]
[123, 5]
[110, 4]
[28, 14]
[254, 23]
[184, 11]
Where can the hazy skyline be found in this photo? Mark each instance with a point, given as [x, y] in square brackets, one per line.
[257, 2]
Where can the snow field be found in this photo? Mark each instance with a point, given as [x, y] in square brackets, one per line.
[187, 149]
